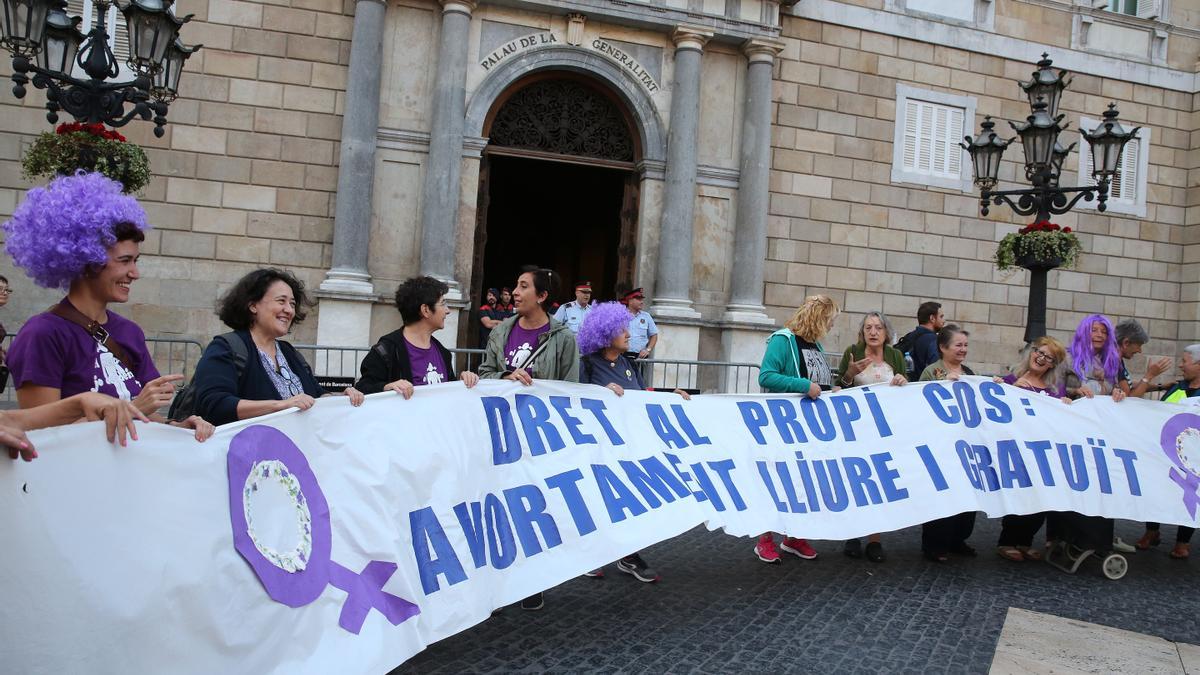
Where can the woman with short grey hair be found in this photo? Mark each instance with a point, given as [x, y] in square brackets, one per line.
[1188, 387]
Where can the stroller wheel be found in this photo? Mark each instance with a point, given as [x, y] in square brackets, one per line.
[1115, 566]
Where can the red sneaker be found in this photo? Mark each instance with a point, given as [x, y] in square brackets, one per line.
[798, 548]
[765, 549]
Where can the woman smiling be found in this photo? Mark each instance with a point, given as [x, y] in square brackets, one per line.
[264, 373]
[80, 233]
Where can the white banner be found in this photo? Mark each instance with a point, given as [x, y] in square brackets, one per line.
[346, 540]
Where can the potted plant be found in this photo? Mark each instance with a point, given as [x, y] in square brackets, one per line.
[1042, 245]
[89, 147]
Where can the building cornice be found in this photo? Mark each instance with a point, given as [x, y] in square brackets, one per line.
[985, 42]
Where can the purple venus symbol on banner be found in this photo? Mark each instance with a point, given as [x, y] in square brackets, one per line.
[1181, 441]
[259, 454]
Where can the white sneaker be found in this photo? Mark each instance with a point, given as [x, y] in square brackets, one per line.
[1121, 547]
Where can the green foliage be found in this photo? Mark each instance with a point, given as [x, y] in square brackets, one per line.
[1041, 242]
[89, 147]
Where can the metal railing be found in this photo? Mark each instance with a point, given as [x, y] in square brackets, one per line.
[337, 367]
[707, 377]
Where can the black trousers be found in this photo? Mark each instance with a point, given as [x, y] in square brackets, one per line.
[1020, 530]
[1183, 535]
[945, 534]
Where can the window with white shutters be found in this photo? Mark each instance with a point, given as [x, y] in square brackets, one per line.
[1127, 189]
[931, 134]
[929, 127]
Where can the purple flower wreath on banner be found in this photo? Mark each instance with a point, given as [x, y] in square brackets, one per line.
[61, 230]
[1181, 442]
[260, 454]
[601, 324]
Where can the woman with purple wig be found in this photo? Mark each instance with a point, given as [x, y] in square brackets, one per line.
[603, 340]
[1095, 360]
[82, 234]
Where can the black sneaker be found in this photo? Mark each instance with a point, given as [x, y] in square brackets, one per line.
[875, 552]
[597, 573]
[635, 566]
[533, 603]
[852, 548]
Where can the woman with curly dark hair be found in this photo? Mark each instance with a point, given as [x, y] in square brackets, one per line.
[411, 357]
[251, 371]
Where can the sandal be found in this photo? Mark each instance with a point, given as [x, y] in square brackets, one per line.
[1010, 553]
[1181, 552]
[1030, 553]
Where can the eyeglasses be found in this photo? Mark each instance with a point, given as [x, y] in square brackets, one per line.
[1043, 357]
[6, 291]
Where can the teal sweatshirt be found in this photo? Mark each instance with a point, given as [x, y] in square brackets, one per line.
[790, 365]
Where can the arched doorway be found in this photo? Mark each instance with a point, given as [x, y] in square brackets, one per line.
[558, 186]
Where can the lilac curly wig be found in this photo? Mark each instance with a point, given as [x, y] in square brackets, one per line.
[64, 228]
[602, 323]
[1083, 355]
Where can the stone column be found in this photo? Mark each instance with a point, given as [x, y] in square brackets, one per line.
[745, 317]
[440, 197]
[672, 290]
[347, 293]
[750, 236]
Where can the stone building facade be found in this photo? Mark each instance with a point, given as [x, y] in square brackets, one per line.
[730, 156]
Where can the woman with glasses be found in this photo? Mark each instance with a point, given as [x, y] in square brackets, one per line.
[412, 357]
[265, 374]
[1040, 371]
[5, 294]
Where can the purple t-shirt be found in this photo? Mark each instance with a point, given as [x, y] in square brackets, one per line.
[50, 351]
[521, 344]
[1061, 392]
[428, 367]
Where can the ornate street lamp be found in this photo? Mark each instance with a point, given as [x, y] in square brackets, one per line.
[986, 150]
[46, 42]
[60, 42]
[1046, 84]
[1107, 141]
[1038, 135]
[1044, 159]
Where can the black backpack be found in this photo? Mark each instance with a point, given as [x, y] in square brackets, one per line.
[906, 345]
[184, 405]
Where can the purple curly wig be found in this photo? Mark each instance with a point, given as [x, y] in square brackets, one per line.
[62, 229]
[602, 323]
[1083, 355]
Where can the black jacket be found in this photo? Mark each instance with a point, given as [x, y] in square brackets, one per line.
[388, 361]
[219, 388]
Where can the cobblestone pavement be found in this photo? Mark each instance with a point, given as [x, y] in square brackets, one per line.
[719, 610]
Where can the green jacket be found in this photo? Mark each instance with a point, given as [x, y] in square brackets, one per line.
[856, 352]
[782, 370]
[560, 361]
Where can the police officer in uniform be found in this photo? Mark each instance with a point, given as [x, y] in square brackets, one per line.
[572, 313]
[643, 334]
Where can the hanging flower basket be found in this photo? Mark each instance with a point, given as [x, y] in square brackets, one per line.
[74, 146]
[1040, 246]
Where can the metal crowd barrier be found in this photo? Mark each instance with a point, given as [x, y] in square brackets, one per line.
[338, 367]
